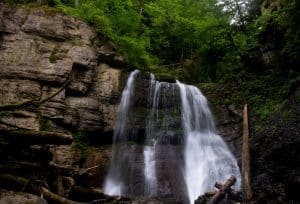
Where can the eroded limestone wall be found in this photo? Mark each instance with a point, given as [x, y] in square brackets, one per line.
[39, 52]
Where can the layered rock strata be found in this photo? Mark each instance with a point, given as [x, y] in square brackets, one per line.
[40, 51]
[55, 82]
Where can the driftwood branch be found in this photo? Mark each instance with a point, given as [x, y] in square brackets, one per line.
[84, 193]
[55, 198]
[246, 157]
[37, 137]
[67, 171]
[222, 191]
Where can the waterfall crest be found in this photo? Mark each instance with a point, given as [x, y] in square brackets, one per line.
[171, 150]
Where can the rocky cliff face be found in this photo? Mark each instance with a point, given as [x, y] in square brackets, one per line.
[41, 51]
[55, 82]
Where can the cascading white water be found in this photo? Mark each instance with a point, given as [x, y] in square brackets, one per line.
[149, 149]
[113, 184]
[149, 170]
[178, 155]
[207, 157]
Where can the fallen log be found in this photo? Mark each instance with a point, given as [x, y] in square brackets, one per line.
[36, 137]
[36, 187]
[55, 198]
[246, 185]
[20, 166]
[222, 191]
[84, 194]
[16, 182]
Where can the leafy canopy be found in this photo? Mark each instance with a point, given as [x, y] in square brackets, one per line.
[152, 34]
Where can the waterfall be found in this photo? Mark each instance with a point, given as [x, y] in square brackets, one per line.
[207, 157]
[166, 144]
[149, 149]
[114, 185]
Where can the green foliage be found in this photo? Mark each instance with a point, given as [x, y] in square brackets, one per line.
[267, 108]
[281, 19]
[156, 33]
[4, 114]
[264, 93]
[121, 23]
[80, 141]
[199, 39]
[53, 56]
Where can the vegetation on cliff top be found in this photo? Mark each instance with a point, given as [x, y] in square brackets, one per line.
[195, 41]
[251, 43]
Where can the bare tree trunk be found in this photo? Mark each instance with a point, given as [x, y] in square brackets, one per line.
[141, 2]
[246, 157]
[55, 198]
[76, 3]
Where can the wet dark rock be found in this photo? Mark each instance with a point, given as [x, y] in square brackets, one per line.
[107, 54]
[169, 175]
[275, 155]
[7, 197]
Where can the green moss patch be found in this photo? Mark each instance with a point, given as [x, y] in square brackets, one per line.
[53, 56]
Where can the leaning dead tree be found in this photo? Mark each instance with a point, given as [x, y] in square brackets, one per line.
[224, 190]
[246, 185]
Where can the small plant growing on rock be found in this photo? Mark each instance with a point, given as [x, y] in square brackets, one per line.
[80, 140]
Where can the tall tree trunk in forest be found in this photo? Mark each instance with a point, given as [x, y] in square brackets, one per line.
[141, 2]
[246, 156]
[76, 3]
